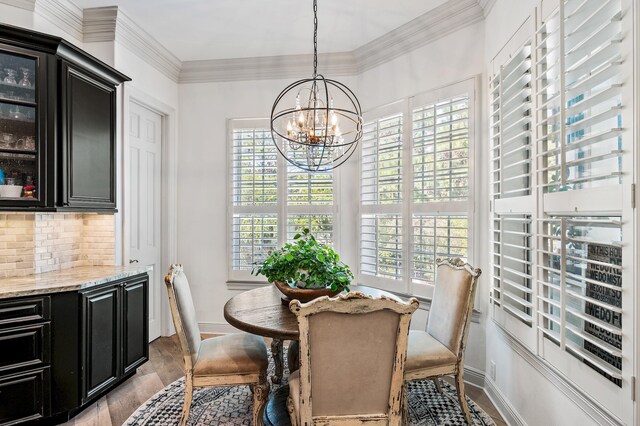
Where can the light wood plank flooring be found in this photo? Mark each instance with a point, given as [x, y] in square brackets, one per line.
[163, 368]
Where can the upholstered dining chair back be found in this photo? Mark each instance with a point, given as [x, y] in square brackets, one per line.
[183, 313]
[352, 356]
[452, 303]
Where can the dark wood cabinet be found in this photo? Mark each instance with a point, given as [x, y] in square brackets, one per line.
[115, 330]
[88, 140]
[25, 357]
[101, 323]
[61, 352]
[57, 125]
[135, 329]
[24, 396]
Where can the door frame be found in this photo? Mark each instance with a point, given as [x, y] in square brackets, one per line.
[169, 186]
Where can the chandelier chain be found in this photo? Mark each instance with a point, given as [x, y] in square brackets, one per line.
[315, 38]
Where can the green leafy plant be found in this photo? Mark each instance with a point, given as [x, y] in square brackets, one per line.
[305, 263]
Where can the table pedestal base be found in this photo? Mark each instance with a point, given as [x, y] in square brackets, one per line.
[276, 414]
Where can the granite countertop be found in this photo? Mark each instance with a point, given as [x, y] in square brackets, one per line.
[71, 279]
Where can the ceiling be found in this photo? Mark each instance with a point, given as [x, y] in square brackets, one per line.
[221, 29]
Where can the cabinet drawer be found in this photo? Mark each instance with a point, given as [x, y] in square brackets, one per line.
[23, 310]
[26, 346]
[24, 396]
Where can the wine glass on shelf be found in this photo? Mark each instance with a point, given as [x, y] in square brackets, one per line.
[26, 75]
[10, 77]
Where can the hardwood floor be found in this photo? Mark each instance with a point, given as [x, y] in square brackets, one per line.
[164, 367]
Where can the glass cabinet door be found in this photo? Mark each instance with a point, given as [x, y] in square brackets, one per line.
[21, 145]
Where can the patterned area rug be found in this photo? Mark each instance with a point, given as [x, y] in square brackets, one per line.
[232, 406]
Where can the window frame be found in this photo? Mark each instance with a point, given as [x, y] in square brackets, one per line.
[282, 209]
[407, 207]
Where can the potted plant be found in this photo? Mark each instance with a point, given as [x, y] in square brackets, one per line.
[305, 269]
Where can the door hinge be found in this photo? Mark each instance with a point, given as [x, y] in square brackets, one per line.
[490, 205]
[633, 195]
[633, 388]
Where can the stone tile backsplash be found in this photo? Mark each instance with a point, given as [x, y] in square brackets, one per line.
[42, 242]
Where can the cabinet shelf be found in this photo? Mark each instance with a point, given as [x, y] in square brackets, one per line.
[18, 151]
[18, 101]
[7, 86]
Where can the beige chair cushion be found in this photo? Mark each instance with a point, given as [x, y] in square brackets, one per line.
[449, 306]
[294, 390]
[239, 353]
[187, 312]
[425, 352]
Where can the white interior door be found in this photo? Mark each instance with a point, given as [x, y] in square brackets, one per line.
[143, 212]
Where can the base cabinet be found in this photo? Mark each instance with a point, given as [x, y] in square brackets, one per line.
[61, 352]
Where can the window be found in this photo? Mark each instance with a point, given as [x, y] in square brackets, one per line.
[562, 226]
[271, 200]
[415, 188]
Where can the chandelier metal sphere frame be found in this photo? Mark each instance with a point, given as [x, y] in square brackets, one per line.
[316, 123]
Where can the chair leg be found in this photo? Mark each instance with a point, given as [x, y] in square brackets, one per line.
[293, 416]
[405, 403]
[461, 396]
[436, 381]
[260, 397]
[188, 395]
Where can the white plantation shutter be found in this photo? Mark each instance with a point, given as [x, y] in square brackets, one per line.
[381, 246]
[416, 188]
[381, 192]
[512, 266]
[510, 109]
[254, 196]
[511, 186]
[310, 204]
[441, 151]
[441, 192]
[382, 141]
[271, 200]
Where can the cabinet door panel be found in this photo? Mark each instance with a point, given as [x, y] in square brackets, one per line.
[88, 141]
[101, 339]
[135, 327]
[23, 397]
[24, 346]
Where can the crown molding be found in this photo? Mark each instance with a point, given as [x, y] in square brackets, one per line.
[433, 25]
[29, 5]
[486, 5]
[437, 23]
[266, 67]
[104, 24]
[62, 13]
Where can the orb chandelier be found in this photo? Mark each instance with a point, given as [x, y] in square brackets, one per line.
[316, 122]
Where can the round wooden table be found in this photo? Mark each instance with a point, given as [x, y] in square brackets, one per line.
[260, 311]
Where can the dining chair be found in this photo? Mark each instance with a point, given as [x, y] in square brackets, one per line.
[352, 355]
[439, 350]
[233, 359]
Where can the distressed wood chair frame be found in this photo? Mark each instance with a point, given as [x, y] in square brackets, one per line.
[351, 303]
[457, 368]
[258, 382]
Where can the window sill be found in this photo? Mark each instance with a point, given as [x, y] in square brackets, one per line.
[245, 285]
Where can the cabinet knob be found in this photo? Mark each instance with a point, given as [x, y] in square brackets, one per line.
[133, 261]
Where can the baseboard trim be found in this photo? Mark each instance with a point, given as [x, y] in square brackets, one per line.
[474, 377]
[502, 404]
